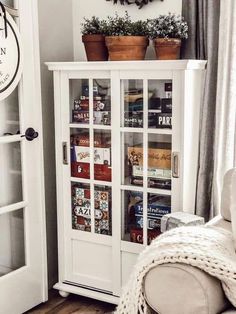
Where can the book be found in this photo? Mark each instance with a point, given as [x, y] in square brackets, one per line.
[152, 223]
[166, 105]
[154, 103]
[152, 172]
[164, 184]
[80, 116]
[82, 139]
[136, 235]
[82, 170]
[162, 120]
[159, 156]
[157, 207]
[133, 119]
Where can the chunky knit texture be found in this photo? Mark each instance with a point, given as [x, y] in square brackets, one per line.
[209, 248]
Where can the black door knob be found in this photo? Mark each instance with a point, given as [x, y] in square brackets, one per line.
[30, 134]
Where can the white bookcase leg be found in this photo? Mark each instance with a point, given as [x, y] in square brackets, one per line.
[64, 294]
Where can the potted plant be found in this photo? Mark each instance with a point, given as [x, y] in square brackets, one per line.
[94, 40]
[126, 40]
[167, 32]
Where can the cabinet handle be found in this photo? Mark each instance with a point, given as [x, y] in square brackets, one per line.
[64, 152]
[175, 165]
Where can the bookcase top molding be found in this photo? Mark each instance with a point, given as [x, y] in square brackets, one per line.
[129, 65]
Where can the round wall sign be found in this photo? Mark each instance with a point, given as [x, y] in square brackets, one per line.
[10, 55]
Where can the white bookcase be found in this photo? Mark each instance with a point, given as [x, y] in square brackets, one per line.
[126, 153]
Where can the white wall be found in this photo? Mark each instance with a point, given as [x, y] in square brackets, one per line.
[56, 44]
[102, 8]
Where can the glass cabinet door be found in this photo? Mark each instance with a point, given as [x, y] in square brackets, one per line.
[91, 155]
[146, 150]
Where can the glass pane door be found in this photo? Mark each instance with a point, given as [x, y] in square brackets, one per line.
[91, 161]
[146, 150]
[12, 242]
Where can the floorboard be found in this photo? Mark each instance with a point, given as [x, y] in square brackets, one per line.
[73, 304]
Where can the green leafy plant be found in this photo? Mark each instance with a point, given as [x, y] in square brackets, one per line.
[139, 3]
[123, 26]
[94, 25]
[168, 26]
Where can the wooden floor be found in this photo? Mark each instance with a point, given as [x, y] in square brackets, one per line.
[73, 304]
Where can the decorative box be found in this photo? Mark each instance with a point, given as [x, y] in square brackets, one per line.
[81, 209]
[159, 156]
[136, 235]
[102, 200]
[80, 157]
[179, 219]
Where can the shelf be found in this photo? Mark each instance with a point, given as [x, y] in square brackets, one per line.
[90, 181]
[87, 126]
[150, 131]
[79, 126]
[101, 127]
[160, 131]
[159, 191]
[132, 130]
[140, 189]
[131, 188]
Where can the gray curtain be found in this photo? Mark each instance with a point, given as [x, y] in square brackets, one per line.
[203, 20]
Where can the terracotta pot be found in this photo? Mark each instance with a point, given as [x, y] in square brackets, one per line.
[127, 47]
[95, 47]
[167, 48]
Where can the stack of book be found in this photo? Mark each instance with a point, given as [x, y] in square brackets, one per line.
[157, 207]
[101, 111]
[159, 109]
[159, 165]
[80, 156]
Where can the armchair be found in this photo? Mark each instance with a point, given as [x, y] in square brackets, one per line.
[183, 289]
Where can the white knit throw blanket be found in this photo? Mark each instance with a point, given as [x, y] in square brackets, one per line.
[208, 248]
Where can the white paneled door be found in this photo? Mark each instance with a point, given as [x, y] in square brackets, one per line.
[23, 281]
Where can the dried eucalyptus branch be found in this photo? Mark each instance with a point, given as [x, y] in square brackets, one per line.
[139, 3]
